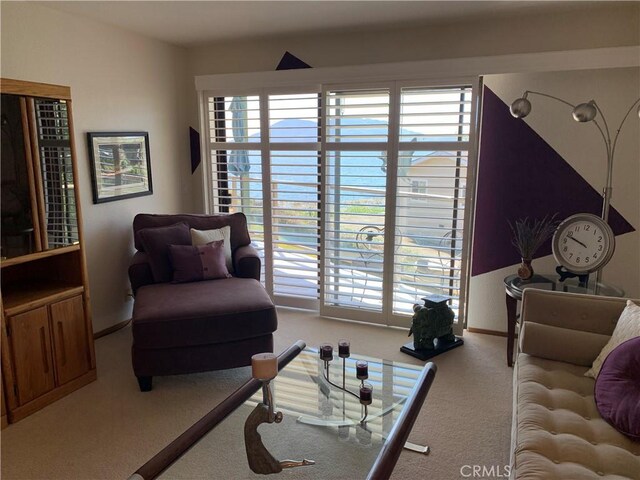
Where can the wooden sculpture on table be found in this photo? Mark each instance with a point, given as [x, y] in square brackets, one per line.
[265, 368]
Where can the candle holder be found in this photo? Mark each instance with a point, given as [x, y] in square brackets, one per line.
[362, 373]
[344, 348]
[326, 352]
[362, 370]
[366, 398]
[326, 355]
[344, 352]
[259, 458]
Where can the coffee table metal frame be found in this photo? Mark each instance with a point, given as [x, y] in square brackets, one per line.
[382, 467]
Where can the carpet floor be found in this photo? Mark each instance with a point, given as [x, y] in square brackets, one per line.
[108, 429]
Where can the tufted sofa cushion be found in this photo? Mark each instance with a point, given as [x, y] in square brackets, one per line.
[558, 432]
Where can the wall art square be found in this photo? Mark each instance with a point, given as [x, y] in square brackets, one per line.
[120, 165]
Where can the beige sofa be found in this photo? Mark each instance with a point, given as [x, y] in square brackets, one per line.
[557, 432]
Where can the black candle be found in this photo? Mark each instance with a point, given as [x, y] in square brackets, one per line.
[366, 394]
[344, 349]
[362, 370]
[326, 352]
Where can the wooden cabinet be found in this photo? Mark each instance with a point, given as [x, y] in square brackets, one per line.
[48, 346]
[29, 340]
[47, 339]
[69, 339]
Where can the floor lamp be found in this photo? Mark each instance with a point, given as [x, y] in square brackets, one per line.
[585, 112]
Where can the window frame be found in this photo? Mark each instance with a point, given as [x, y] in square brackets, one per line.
[387, 316]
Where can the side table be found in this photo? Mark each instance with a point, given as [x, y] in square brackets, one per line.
[514, 286]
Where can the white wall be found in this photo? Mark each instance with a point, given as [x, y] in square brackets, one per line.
[582, 147]
[119, 82]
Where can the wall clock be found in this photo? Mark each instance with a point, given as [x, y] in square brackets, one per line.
[583, 243]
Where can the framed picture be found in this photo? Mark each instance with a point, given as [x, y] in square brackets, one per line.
[120, 165]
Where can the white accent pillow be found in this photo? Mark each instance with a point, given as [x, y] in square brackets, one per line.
[628, 327]
[202, 237]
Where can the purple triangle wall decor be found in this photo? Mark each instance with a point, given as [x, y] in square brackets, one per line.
[521, 175]
[291, 62]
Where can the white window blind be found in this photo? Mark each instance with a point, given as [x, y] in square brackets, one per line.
[267, 166]
[294, 155]
[56, 166]
[357, 126]
[434, 144]
[236, 162]
[355, 197]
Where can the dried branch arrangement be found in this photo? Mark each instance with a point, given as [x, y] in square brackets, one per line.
[528, 236]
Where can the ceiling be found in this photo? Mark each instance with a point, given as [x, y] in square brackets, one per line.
[192, 23]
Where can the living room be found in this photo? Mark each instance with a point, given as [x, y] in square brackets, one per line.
[145, 67]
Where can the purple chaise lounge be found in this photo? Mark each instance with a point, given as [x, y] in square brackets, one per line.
[202, 325]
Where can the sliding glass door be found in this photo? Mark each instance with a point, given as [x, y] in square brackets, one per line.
[294, 213]
[430, 196]
[354, 202]
[355, 196]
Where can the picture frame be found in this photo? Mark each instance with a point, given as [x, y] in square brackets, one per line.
[120, 165]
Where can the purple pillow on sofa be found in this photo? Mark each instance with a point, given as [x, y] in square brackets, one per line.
[192, 263]
[156, 243]
[617, 389]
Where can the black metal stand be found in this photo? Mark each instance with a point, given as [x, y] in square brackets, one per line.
[583, 280]
[326, 377]
[425, 354]
[325, 373]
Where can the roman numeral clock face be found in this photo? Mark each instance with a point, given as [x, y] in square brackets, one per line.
[583, 243]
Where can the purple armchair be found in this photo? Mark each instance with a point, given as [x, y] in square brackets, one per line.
[204, 325]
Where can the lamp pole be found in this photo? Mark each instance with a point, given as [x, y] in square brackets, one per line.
[585, 112]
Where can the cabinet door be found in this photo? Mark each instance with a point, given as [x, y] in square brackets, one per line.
[32, 356]
[69, 339]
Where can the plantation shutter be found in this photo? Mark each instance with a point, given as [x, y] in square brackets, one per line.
[236, 162]
[430, 200]
[294, 156]
[56, 166]
[356, 147]
[354, 197]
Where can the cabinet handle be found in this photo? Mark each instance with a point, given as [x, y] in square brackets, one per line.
[43, 345]
[63, 352]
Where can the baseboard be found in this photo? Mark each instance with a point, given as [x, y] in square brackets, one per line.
[487, 332]
[56, 394]
[111, 329]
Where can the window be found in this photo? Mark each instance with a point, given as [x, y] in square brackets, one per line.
[52, 127]
[419, 187]
[334, 186]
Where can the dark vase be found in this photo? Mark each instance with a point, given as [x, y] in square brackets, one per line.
[525, 271]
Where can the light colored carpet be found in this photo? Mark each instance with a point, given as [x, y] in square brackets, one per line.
[108, 429]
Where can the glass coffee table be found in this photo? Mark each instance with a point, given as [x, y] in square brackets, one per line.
[320, 422]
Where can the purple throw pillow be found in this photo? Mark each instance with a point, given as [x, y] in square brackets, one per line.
[192, 263]
[156, 243]
[617, 389]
